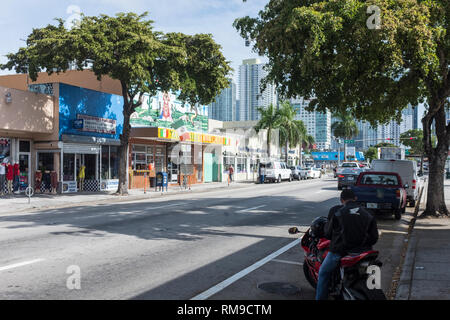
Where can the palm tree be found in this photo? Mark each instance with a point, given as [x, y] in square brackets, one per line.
[308, 141]
[268, 121]
[345, 128]
[292, 132]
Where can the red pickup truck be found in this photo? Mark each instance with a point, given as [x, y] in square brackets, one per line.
[381, 191]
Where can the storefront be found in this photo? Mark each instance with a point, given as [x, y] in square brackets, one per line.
[88, 151]
[18, 150]
[191, 155]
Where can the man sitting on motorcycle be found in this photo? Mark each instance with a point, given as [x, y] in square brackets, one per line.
[351, 229]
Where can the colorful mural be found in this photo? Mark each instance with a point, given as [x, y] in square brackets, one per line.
[166, 111]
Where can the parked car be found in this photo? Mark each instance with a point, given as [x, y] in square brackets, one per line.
[408, 171]
[347, 165]
[312, 173]
[277, 171]
[347, 178]
[381, 191]
[298, 173]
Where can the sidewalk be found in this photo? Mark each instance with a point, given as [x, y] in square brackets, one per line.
[425, 274]
[19, 203]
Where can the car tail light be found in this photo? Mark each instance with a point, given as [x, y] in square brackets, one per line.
[414, 184]
[340, 176]
[397, 193]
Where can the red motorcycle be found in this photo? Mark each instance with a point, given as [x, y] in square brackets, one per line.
[350, 280]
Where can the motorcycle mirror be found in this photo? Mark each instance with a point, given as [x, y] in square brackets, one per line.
[293, 230]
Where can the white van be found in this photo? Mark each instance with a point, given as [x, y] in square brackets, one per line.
[407, 170]
[277, 171]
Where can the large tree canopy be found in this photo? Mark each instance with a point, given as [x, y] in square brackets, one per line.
[324, 50]
[126, 48]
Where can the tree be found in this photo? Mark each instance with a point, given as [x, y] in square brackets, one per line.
[269, 122]
[345, 128]
[373, 64]
[371, 153]
[292, 132]
[385, 144]
[126, 48]
[414, 140]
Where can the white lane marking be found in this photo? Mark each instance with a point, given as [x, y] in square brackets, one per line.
[288, 262]
[20, 264]
[308, 207]
[250, 209]
[219, 287]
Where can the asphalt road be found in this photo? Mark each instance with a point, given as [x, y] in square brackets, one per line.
[171, 248]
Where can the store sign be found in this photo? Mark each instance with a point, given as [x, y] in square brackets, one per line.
[69, 187]
[94, 124]
[109, 185]
[172, 134]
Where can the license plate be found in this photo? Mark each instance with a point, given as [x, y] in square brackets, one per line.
[350, 178]
[372, 206]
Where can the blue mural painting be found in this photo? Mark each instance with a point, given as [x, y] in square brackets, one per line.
[89, 113]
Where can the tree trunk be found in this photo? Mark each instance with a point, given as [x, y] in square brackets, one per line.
[128, 109]
[286, 156]
[436, 157]
[269, 137]
[123, 157]
[345, 150]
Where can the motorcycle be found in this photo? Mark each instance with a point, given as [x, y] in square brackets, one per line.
[349, 281]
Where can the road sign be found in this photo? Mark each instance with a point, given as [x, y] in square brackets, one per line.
[349, 141]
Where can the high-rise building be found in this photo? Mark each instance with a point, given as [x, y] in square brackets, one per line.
[251, 73]
[317, 124]
[224, 108]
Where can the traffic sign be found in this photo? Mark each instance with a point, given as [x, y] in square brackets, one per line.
[349, 141]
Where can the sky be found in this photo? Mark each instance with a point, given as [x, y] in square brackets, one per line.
[18, 18]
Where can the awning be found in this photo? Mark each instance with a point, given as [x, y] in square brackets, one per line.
[171, 135]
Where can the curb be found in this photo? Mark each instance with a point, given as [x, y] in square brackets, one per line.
[119, 199]
[401, 282]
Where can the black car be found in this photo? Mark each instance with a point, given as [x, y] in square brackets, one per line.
[348, 177]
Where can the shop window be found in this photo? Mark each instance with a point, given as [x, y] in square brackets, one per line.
[24, 146]
[5, 148]
[46, 161]
[241, 165]
[105, 162]
[68, 167]
[114, 162]
[138, 148]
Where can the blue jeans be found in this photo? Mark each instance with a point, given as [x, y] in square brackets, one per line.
[330, 263]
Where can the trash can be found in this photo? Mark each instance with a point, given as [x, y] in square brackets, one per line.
[162, 181]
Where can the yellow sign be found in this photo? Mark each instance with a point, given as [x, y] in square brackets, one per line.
[171, 134]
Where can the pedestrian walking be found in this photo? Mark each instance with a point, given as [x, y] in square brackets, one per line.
[230, 173]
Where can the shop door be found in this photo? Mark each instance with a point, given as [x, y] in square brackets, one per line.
[208, 167]
[24, 166]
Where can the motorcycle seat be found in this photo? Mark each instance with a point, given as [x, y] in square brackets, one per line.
[352, 259]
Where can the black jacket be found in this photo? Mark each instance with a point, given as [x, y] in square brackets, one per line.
[350, 228]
